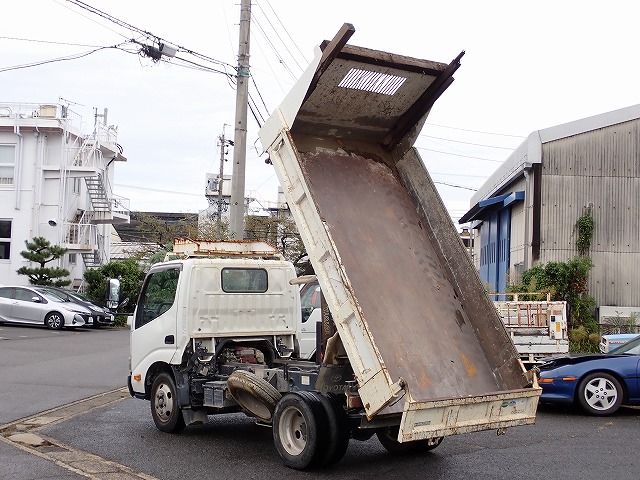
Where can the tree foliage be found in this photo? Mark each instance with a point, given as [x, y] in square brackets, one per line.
[281, 232]
[39, 250]
[566, 281]
[129, 272]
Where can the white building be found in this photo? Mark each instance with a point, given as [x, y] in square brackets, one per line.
[56, 182]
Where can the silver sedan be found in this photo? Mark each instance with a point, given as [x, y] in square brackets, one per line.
[28, 305]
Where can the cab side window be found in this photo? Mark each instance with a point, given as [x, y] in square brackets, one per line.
[310, 299]
[157, 296]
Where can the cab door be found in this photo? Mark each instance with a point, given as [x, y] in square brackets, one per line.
[153, 330]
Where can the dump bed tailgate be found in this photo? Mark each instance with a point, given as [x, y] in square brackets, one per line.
[421, 335]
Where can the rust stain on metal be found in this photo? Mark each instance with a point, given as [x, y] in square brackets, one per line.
[425, 381]
[421, 328]
[469, 366]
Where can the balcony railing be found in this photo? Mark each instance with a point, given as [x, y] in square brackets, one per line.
[43, 111]
[81, 235]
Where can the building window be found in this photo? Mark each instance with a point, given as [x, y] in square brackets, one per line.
[76, 185]
[5, 239]
[7, 164]
[72, 259]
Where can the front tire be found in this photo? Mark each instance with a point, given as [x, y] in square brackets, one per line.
[54, 321]
[300, 430]
[388, 437]
[600, 394]
[167, 414]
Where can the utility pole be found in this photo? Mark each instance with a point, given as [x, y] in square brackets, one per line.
[223, 152]
[240, 137]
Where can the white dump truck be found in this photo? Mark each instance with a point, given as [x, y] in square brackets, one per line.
[411, 348]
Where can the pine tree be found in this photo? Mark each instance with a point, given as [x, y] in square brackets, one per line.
[40, 251]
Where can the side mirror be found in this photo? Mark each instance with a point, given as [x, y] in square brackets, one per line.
[113, 293]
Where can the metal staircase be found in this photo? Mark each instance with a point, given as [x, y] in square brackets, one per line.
[82, 233]
[98, 193]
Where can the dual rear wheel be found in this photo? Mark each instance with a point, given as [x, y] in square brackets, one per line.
[310, 430]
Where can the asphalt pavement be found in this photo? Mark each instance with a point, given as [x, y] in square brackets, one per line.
[63, 392]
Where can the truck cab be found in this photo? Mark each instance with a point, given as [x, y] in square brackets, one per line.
[227, 308]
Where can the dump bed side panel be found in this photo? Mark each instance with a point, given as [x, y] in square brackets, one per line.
[411, 308]
[458, 268]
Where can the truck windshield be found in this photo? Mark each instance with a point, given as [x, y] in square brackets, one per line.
[157, 296]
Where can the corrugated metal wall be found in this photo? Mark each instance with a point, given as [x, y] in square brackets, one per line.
[598, 168]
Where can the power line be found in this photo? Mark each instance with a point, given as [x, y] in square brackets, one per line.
[466, 143]
[280, 38]
[456, 186]
[458, 175]
[61, 59]
[90, 19]
[273, 47]
[144, 33]
[476, 131]
[51, 42]
[460, 155]
[286, 31]
[173, 192]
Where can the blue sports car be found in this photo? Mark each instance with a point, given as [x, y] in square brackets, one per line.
[599, 383]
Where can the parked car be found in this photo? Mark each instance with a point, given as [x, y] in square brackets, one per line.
[599, 383]
[40, 307]
[99, 315]
[611, 341]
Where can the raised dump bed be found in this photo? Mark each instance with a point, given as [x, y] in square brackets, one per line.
[422, 336]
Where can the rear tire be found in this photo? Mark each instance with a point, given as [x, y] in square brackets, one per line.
[166, 412]
[54, 321]
[257, 397]
[388, 437]
[300, 430]
[338, 430]
[600, 394]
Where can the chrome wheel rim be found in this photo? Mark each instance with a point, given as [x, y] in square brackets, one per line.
[600, 394]
[54, 321]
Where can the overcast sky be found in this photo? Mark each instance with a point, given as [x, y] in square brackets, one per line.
[528, 66]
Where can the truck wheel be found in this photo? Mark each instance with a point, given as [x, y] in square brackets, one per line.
[256, 396]
[300, 430]
[167, 415]
[388, 437]
[338, 430]
[600, 394]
